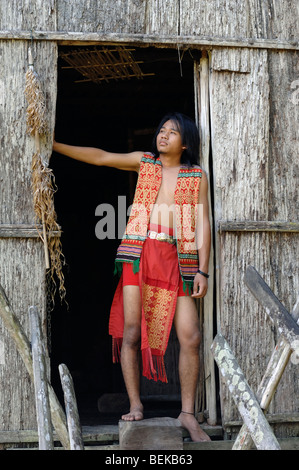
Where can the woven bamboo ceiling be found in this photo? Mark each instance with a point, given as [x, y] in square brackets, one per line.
[104, 64]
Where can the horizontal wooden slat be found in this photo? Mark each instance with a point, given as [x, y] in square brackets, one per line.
[98, 37]
[257, 226]
[23, 231]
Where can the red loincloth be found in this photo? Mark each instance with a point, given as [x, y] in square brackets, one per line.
[159, 281]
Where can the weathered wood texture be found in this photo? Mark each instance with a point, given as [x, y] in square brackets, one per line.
[255, 165]
[22, 266]
[21, 344]
[72, 414]
[224, 18]
[42, 402]
[151, 434]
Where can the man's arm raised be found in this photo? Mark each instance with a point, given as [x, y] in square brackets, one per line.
[94, 156]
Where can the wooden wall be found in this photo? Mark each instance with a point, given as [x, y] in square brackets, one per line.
[22, 267]
[255, 164]
[255, 167]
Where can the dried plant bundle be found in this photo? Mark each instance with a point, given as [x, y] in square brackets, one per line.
[43, 187]
[36, 110]
[43, 182]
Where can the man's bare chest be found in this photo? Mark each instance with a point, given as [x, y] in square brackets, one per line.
[168, 186]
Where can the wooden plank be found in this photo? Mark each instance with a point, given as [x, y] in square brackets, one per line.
[243, 396]
[45, 432]
[151, 434]
[202, 109]
[257, 226]
[276, 311]
[73, 420]
[88, 38]
[14, 328]
[24, 231]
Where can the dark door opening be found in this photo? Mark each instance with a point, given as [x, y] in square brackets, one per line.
[116, 115]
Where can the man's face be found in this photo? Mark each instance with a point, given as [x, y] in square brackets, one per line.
[169, 140]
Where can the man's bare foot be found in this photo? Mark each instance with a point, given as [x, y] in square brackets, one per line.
[189, 422]
[135, 414]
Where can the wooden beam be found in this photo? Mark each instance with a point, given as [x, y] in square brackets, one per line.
[276, 311]
[243, 396]
[257, 226]
[24, 231]
[45, 431]
[85, 38]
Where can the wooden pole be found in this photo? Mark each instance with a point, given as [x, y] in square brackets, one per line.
[243, 396]
[14, 328]
[44, 423]
[285, 323]
[208, 302]
[73, 420]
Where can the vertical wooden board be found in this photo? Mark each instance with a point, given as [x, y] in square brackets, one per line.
[240, 138]
[217, 18]
[17, 147]
[272, 19]
[284, 135]
[241, 320]
[26, 15]
[131, 16]
[22, 265]
[22, 277]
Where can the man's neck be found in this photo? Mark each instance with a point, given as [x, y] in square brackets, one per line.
[169, 161]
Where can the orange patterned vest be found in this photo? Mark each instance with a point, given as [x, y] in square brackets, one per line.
[186, 215]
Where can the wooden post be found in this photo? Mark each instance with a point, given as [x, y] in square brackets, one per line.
[14, 328]
[44, 423]
[208, 301]
[73, 420]
[243, 396]
[285, 323]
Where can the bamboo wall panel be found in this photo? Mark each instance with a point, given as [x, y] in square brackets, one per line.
[249, 122]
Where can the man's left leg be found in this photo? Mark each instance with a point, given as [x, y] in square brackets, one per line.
[187, 327]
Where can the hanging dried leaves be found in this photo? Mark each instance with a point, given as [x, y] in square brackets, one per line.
[44, 187]
[36, 110]
[43, 181]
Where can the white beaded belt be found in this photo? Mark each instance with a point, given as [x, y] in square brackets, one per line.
[161, 237]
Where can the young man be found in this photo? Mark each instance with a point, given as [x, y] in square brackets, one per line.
[163, 260]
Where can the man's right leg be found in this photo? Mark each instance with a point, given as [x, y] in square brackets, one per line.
[130, 352]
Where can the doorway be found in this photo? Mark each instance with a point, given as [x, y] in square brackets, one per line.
[118, 114]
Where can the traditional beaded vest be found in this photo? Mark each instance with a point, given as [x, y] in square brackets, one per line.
[186, 215]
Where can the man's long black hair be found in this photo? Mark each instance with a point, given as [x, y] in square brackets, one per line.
[189, 134]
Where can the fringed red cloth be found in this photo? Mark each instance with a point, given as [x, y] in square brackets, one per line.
[158, 283]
